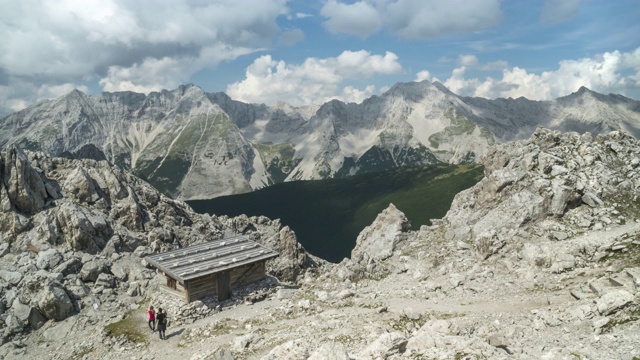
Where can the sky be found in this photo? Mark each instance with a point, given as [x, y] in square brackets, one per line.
[306, 52]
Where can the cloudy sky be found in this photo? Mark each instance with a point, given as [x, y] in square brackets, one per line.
[306, 52]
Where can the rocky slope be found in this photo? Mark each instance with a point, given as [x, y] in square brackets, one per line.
[537, 261]
[194, 145]
[73, 232]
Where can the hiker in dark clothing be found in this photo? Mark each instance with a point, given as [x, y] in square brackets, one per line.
[161, 319]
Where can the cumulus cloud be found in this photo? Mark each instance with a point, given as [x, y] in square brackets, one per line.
[417, 19]
[15, 97]
[422, 75]
[360, 19]
[555, 11]
[412, 19]
[468, 60]
[352, 94]
[314, 81]
[120, 43]
[610, 72]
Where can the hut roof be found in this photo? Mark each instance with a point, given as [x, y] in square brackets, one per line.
[210, 257]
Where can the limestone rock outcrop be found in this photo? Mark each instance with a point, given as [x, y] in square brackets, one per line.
[379, 240]
[69, 227]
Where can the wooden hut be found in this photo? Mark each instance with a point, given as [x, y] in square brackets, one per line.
[213, 268]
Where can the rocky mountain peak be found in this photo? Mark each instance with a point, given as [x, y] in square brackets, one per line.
[169, 136]
[538, 260]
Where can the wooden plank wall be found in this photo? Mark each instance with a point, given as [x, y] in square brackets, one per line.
[201, 287]
[248, 274]
[207, 285]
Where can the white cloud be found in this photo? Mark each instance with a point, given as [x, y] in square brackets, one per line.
[422, 75]
[360, 19]
[121, 42]
[555, 11]
[610, 72]
[468, 60]
[351, 94]
[413, 19]
[312, 82]
[20, 94]
[418, 19]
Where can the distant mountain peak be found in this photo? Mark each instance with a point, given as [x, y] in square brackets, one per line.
[583, 90]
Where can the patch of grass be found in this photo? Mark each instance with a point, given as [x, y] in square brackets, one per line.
[465, 356]
[350, 204]
[344, 339]
[629, 258]
[129, 329]
[576, 355]
[221, 327]
[624, 317]
[78, 355]
[445, 316]
[402, 324]
[372, 306]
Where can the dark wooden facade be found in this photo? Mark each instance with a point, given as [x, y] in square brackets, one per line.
[214, 268]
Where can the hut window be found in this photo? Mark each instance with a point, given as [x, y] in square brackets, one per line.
[171, 283]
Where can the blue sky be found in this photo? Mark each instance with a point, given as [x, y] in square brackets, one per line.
[307, 52]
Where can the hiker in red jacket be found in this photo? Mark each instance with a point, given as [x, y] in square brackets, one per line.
[152, 318]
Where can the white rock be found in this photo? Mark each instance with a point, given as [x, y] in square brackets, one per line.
[613, 301]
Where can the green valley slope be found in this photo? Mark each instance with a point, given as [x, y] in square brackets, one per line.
[328, 215]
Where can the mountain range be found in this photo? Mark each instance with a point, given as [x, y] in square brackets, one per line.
[191, 144]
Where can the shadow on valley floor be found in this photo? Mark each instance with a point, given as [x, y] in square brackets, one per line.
[328, 215]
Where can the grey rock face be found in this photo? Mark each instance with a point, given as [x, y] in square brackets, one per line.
[93, 269]
[48, 259]
[81, 245]
[515, 193]
[614, 301]
[379, 240]
[291, 350]
[330, 351]
[54, 302]
[385, 346]
[10, 277]
[22, 185]
[187, 142]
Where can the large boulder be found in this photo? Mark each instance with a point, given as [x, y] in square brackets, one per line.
[24, 186]
[82, 228]
[81, 186]
[10, 277]
[91, 270]
[53, 302]
[293, 258]
[48, 259]
[330, 351]
[379, 240]
[291, 350]
[613, 301]
[385, 346]
[28, 314]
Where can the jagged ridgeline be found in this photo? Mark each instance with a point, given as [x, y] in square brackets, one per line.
[328, 215]
[195, 145]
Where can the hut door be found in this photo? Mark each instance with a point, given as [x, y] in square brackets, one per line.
[224, 285]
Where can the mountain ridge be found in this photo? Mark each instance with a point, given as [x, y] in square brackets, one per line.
[196, 145]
